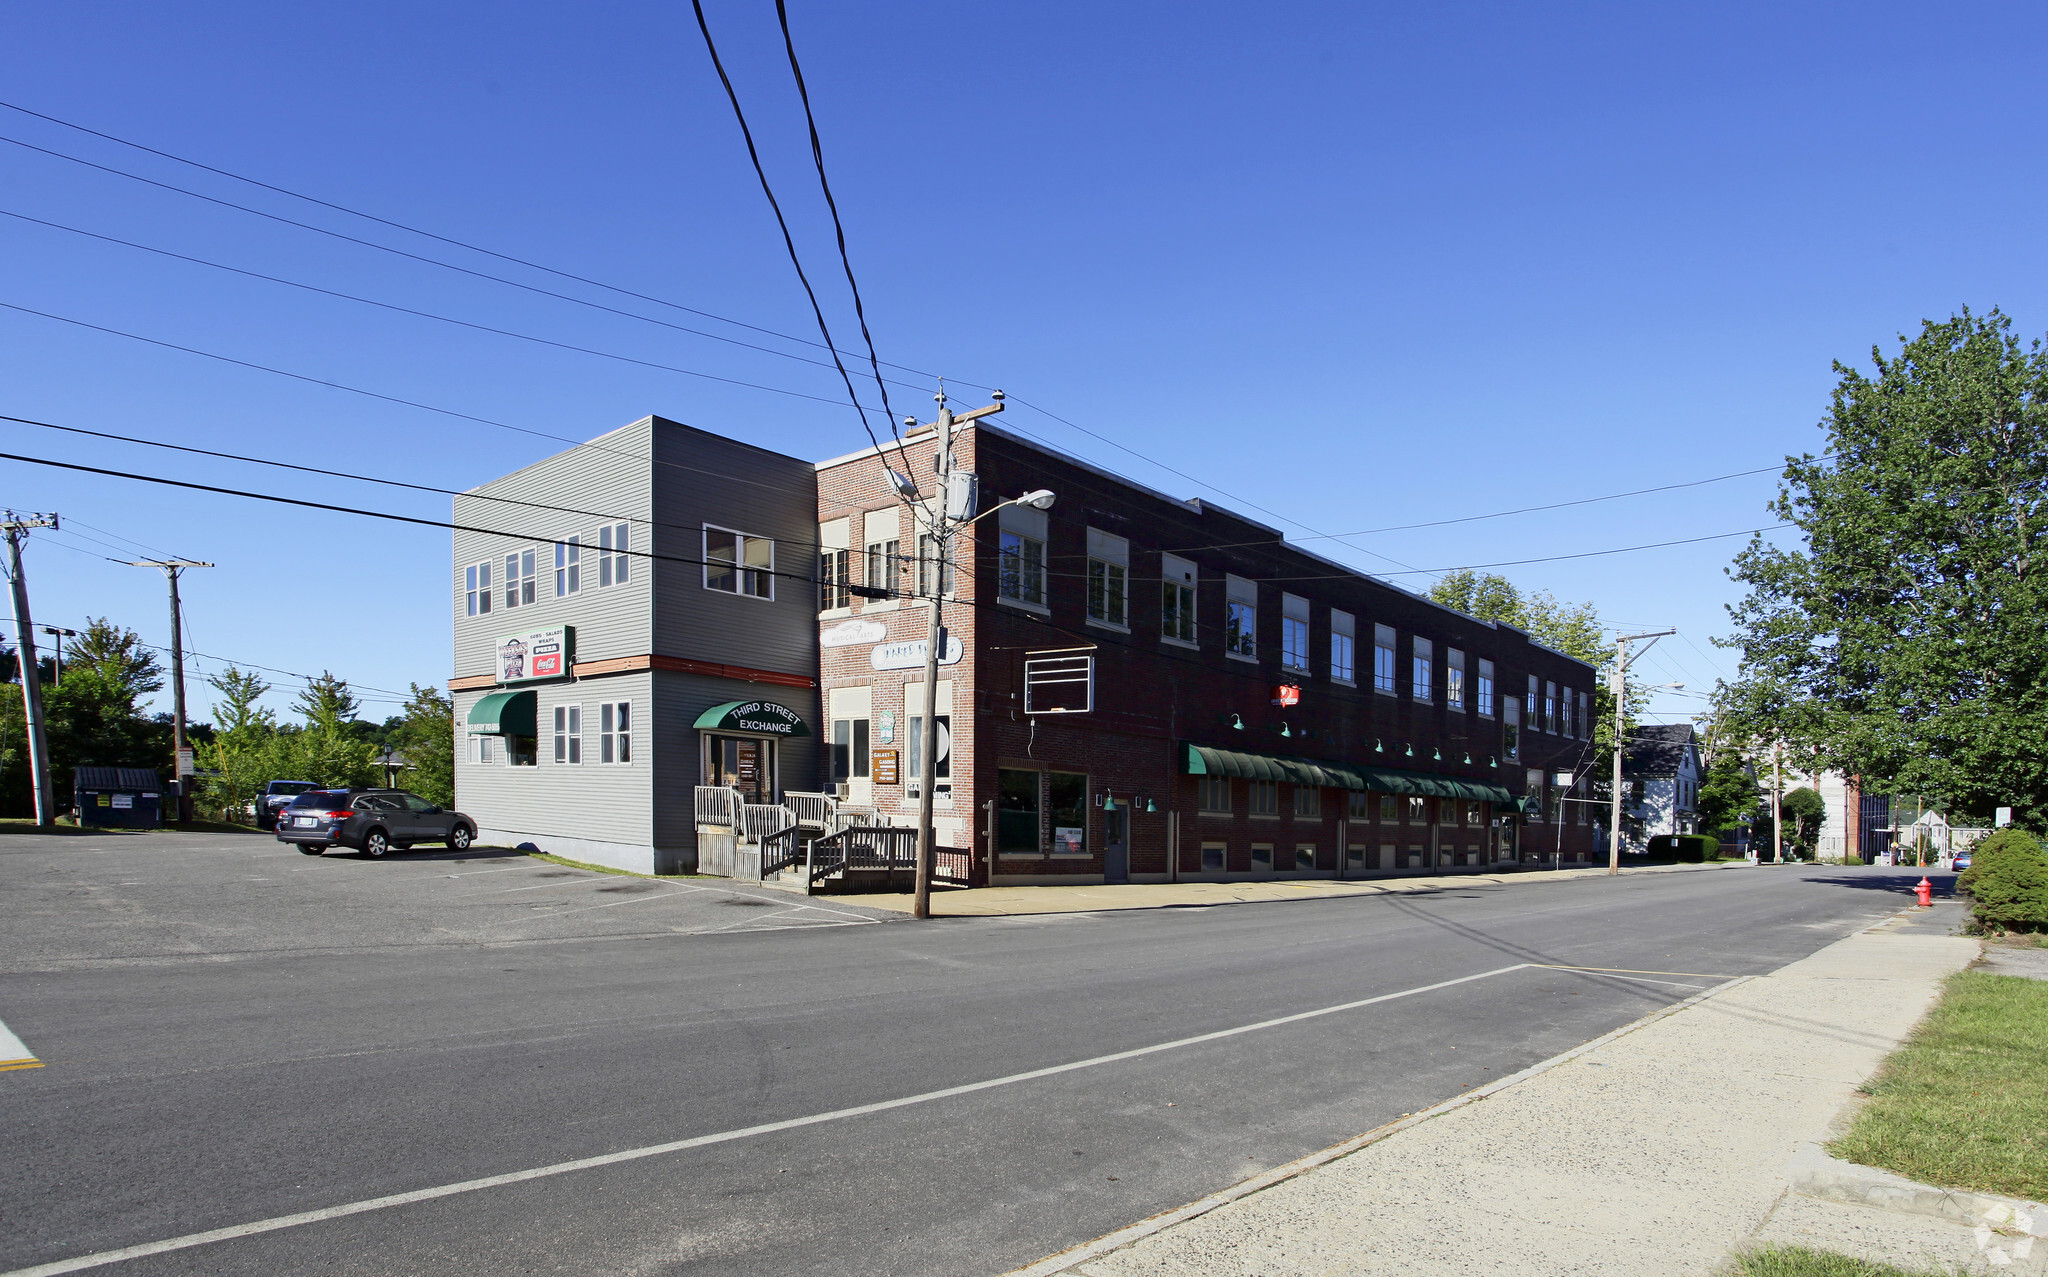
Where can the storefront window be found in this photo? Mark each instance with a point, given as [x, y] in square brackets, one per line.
[1067, 797]
[1017, 811]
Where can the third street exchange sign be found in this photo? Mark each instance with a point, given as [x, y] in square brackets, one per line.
[763, 717]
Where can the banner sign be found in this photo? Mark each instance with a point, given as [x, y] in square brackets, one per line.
[853, 633]
[909, 655]
[536, 654]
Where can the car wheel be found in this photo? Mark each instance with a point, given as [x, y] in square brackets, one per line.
[458, 838]
[376, 843]
[309, 848]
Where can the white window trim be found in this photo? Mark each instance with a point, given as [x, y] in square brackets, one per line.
[569, 567]
[630, 731]
[569, 734]
[704, 546]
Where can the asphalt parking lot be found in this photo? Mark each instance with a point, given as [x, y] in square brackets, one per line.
[111, 899]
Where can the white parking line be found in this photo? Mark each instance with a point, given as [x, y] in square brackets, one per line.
[609, 904]
[276, 1223]
[14, 1053]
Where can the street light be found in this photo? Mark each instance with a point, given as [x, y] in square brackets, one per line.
[59, 633]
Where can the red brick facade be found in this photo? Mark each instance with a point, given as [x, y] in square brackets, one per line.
[1154, 697]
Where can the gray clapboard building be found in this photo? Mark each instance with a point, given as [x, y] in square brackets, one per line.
[637, 620]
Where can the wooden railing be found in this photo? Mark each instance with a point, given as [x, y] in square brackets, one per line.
[719, 806]
[814, 811]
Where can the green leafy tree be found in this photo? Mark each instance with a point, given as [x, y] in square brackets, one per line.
[93, 718]
[118, 656]
[1728, 794]
[1902, 641]
[326, 749]
[1803, 811]
[427, 739]
[1571, 628]
[327, 702]
[243, 748]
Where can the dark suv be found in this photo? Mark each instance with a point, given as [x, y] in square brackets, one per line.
[373, 821]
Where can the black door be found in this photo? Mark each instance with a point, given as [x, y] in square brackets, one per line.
[1116, 848]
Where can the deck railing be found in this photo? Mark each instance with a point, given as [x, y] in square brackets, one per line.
[812, 810]
[719, 806]
[758, 820]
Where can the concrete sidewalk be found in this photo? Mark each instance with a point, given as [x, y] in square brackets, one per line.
[990, 902]
[1655, 1150]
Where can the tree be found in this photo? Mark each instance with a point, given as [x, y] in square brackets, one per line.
[427, 739]
[326, 702]
[243, 747]
[92, 718]
[1728, 792]
[1903, 640]
[119, 656]
[1804, 811]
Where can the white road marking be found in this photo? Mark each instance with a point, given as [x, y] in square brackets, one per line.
[611, 904]
[14, 1053]
[274, 1224]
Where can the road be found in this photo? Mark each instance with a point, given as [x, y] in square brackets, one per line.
[234, 1033]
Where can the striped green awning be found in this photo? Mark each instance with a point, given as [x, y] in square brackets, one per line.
[1205, 760]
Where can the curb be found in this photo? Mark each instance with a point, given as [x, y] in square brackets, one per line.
[1067, 1260]
[2008, 1230]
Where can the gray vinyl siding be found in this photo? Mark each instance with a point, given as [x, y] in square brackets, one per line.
[698, 479]
[678, 700]
[613, 803]
[602, 476]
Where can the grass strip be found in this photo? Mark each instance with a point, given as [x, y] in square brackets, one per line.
[1802, 1261]
[1962, 1104]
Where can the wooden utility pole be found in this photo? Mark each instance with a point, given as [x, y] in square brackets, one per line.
[1617, 684]
[17, 529]
[1777, 803]
[180, 754]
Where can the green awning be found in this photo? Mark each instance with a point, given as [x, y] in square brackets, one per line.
[1203, 760]
[505, 714]
[763, 718]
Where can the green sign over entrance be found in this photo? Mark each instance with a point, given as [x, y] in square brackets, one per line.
[764, 718]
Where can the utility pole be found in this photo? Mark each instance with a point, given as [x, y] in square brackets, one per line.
[17, 529]
[57, 635]
[180, 755]
[1777, 803]
[1617, 684]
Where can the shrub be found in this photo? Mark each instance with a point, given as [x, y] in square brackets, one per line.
[1691, 848]
[2008, 882]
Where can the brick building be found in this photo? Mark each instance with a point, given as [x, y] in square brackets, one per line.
[1256, 708]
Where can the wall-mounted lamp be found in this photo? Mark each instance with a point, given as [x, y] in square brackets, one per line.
[1411, 750]
[1284, 729]
[1150, 805]
[1468, 760]
[1378, 746]
[1437, 754]
[1492, 762]
[1236, 723]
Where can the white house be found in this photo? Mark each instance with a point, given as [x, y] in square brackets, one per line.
[1660, 773]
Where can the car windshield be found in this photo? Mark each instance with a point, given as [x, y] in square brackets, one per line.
[321, 798]
[290, 786]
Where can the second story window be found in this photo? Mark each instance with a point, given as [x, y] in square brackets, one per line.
[739, 564]
[832, 581]
[1343, 647]
[1109, 565]
[1177, 599]
[1511, 728]
[1383, 659]
[611, 554]
[1529, 704]
[1021, 575]
[568, 567]
[881, 565]
[1585, 719]
[1550, 723]
[1454, 678]
[1294, 632]
[1485, 688]
[1241, 618]
[519, 579]
[476, 589]
[1422, 683]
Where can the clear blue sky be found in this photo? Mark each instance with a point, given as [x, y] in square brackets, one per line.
[1359, 264]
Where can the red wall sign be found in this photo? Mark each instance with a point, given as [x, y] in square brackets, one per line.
[1287, 694]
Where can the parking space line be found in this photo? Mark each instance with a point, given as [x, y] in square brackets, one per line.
[609, 904]
[14, 1053]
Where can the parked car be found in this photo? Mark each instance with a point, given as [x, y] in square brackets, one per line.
[372, 821]
[1962, 861]
[277, 795]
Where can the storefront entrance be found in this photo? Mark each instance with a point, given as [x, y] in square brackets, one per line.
[744, 763]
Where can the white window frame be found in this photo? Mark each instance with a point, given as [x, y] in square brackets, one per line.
[569, 566]
[1241, 618]
[1454, 679]
[833, 595]
[615, 733]
[1385, 665]
[518, 583]
[1422, 670]
[1109, 564]
[744, 574]
[1586, 721]
[1343, 648]
[1020, 569]
[1178, 579]
[1294, 633]
[569, 734]
[1485, 690]
[1550, 723]
[613, 555]
[476, 585]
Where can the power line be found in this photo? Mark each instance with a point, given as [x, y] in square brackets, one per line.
[411, 230]
[839, 230]
[788, 242]
[423, 314]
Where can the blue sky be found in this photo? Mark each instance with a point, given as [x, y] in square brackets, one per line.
[1362, 265]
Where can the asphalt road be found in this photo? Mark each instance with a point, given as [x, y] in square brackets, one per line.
[235, 1033]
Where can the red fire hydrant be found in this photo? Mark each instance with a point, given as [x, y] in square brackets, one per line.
[1925, 891]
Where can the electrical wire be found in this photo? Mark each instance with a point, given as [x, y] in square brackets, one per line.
[424, 314]
[411, 230]
[838, 229]
[788, 242]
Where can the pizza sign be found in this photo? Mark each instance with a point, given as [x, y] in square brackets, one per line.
[536, 654]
